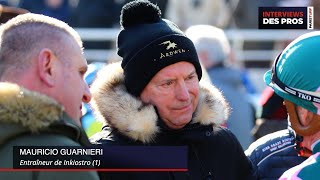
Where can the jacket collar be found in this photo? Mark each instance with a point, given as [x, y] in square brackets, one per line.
[32, 110]
[138, 121]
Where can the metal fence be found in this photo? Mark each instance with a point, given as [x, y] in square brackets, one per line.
[237, 38]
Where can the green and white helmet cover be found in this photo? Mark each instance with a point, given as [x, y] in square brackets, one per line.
[298, 69]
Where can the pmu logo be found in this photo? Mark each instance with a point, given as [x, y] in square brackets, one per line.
[169, 44]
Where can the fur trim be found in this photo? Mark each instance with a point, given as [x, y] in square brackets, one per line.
[30, 109]
[116, 107]
[212, 107]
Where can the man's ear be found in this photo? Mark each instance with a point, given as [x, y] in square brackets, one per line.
[45, 60]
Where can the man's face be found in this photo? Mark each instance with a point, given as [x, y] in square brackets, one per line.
[71, 86]
[174, 91]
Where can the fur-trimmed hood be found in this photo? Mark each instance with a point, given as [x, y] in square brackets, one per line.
[29, 109]
[130, 116]
[28, 112]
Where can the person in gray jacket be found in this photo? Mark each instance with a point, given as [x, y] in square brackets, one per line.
[214, 52]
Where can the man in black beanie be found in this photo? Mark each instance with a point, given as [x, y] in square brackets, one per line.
[155, 98]
[148, 43]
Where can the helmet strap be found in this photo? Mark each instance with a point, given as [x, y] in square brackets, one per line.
[312, 128]
[301, 150]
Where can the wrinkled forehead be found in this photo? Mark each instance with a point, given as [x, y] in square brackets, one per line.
[182, 68]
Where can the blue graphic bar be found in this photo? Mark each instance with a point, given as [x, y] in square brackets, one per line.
[101, 157]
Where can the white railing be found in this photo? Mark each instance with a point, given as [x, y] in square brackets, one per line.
[236, 36]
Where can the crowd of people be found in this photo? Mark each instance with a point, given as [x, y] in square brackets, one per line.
[175, 85]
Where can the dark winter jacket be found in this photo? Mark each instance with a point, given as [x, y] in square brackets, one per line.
[214, 152]
[273, 154]
[28, 118]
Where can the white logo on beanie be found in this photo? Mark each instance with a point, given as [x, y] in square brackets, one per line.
[170, 44]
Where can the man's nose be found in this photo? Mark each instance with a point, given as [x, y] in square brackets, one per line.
[182, 92]
[87, 94]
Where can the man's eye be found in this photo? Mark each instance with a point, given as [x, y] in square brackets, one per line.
[168, 83]
[191, 77]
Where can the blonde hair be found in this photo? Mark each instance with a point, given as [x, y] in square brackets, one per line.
[26, 35]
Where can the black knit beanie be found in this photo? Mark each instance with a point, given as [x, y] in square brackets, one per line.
[147, 43]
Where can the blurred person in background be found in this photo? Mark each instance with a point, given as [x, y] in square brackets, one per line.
[96, 13]
[186, 13]
[214, 52]
[41, 90]
[273, 115]
[7, 12]
[59, 9]
[101, 14]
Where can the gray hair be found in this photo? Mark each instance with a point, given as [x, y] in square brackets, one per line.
[211, 40]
